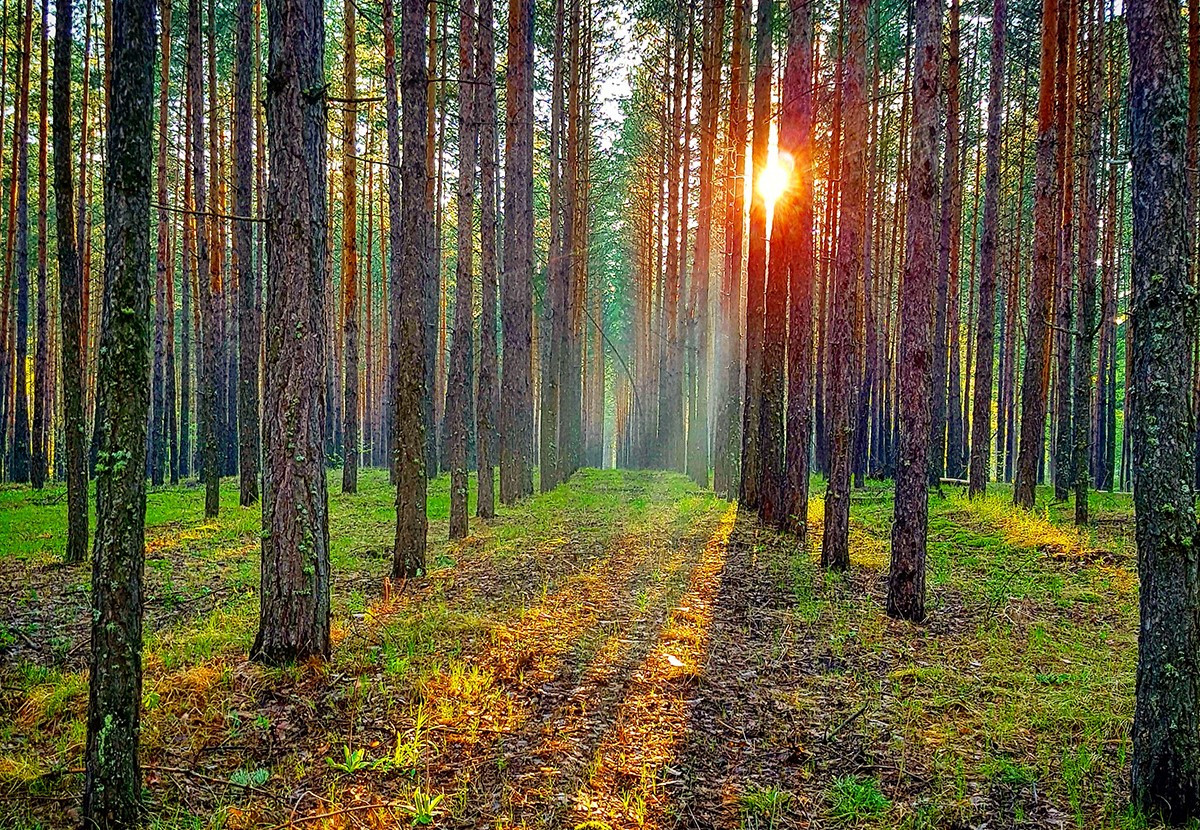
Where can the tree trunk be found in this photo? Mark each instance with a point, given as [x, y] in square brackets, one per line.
[113, 783]
[798, 115]
[1166, 731]
[350, 432]
[185, 306]
[294, 598]
[69, 289]
[554, 302]
[1037, 357]
[756, 263]
[1064, 440]
[951, 218]
[21, 437]
[485, 414]
[848, 273]
[516, 391]
[1089, 235]
[727, 467]
[41, 389]
[713, 33]
[409, 267]
[249, 325]
[207, 359]
[906, 579]
[458, 388]
[981, 420]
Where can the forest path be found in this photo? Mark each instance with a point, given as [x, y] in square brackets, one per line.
[625, 651]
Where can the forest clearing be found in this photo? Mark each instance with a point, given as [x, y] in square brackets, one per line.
[624, 650]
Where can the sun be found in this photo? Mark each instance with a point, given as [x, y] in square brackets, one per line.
[775, 177]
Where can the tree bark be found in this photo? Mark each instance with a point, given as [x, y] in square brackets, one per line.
[207, 358]
[458, 388]
[848, 273]
[350, 430]
[1089, 236]
[69, 290]
[41, 389]
[798, 115]
[906, 579]
[485, 424]
[20, 219]
[727, 466]
[516, 392]
[756, 263]
[294, 598]
[1166, 721]
[951, 218]
[981, 420]
[713, 33]
[1037, 357]
[249, 320]
[409, 267]
[113, 781]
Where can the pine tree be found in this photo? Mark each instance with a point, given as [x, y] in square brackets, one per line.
[408, 272]
[1166, 735]
[69, 295]
[113, 782]
[906, 579]
[294, 597]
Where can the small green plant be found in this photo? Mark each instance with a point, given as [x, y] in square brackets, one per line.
[250, 777]
[1009, 772]
[353, 760]
[422, 807]
[855, 798]
[764, 806]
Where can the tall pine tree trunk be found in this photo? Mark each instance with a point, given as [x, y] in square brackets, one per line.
[1037, 340]
[249, 317]
[756, 263]
[350, 430]
[21, 436]
[981, 419]
[485, 423]
[69, 295]
[516, 391]
[1089, 235]
[208, 346]
[408, 272]
[1166, 721]
[113, 783]
[458, 388]
[294, 597]
[798, 116]
[848, 273]
[41, 386]
[906, 578]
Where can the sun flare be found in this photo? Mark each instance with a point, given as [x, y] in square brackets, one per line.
[775, 177]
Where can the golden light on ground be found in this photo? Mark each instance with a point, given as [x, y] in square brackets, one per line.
[776, 177]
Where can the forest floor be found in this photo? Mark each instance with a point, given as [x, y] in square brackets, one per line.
[625, 651]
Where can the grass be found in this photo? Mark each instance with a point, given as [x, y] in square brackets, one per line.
[623, 651]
